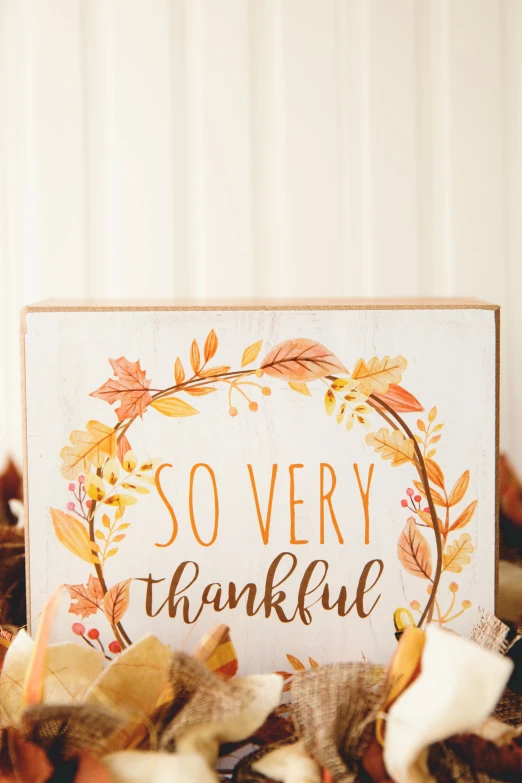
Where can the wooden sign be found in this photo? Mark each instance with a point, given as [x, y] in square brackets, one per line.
[315, 476]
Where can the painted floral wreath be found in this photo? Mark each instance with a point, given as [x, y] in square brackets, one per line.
[106, 476]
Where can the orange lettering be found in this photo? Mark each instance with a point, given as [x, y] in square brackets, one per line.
[293, 504]
[169, 507]
[191, 504]
[263, 526]
[365, 497]
[328, 498]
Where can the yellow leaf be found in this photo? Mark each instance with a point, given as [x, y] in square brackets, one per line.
[350, 421]
[421, 425]
[117, 539]
[123, 526]
[173, 406]
[251, 353]
[431, 453]
[377, 374]
[106, 522]
[295, 663]
[72, 534]
[146, 479]
[432, 415]
[300, 387]
[179, 372]
[195, 359]
[130, 461]
[438, 427]
[437, 498]
[465, 517]
[111, 552]
[211, 344]
[136, 488]
[111, 471]
[94, 487]
[341, 383]
[329, 402]
[457, 555]
[212, 371]
[199, 391]
[120, 500]
[414, 551]
[340, 415]
[460, 489]
[90, 447]
[434, 472]
[392, 445]
[100, 535]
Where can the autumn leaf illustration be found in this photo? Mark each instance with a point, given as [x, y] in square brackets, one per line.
[116, 601]
[130, 388]
[211, 345]
[301, 360]
[123, 448]
[376, 375]
[86, 599]
[392, 445]
[251, 353]
[90, 446]
[463, 519]
[435, 473]
[71, 533]
[173, 406]
[414, 551]
[179, 372]
[300, 388]
[460, 489]
[437, 497]
[399, 399]
[457, 555]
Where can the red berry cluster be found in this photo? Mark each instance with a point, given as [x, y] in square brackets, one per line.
[413, 502]
[94, 635]
[79, 492]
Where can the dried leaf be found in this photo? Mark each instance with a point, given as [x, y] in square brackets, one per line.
[211, 372]
[329, 402]
[300, 387]
[457, 555]
[301, 360]
[195, 359]
[392, 445]
[86, 599]
[92, 446]
[313, 663]
[251, 353]
[437, 498]
[179, 372]
[72, 534]
[414, 551]
[295, 663]
[173, 406]
[376, 375]
[460, 489]
[465, 517]
[199, 391]
[116, 601]
[130, 388]
[211, 344]
[434, 472]
[400, 400]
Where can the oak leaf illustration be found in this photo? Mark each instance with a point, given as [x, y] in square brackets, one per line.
[399, 399]
[89, 447]
[414, 551]
[86, 599]
[116, 601]
[71, 533]
[392, 445]
[130, 388]
[457, 555]
[376, 375]
[301, 360]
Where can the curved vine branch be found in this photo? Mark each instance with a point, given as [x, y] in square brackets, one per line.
[420, 464]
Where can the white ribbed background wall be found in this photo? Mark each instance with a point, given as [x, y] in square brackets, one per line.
[261, 147]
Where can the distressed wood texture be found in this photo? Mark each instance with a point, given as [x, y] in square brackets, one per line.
[260, 147]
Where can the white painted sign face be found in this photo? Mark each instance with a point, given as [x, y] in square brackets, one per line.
[314, 477]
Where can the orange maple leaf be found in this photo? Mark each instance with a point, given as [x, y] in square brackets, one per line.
[88, 597]
[130, 388]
